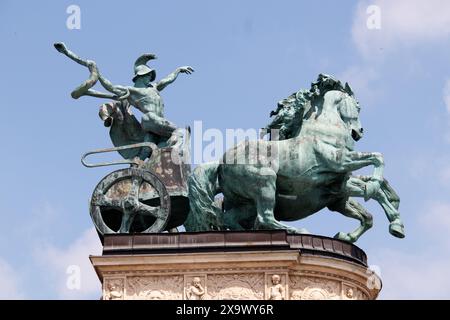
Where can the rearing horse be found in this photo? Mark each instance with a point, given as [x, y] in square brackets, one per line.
[265, 182]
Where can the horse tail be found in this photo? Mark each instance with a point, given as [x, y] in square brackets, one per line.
[204, 213]
[392, 196]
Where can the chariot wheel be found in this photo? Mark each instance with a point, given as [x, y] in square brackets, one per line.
[117, 204]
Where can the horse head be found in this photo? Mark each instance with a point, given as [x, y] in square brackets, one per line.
[326, 94]
[348, 109]
[339, 98]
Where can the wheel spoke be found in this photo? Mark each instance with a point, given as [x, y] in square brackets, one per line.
[104, 201]
[147, 210]
[125, 199]
[136, 182]
[127, 221]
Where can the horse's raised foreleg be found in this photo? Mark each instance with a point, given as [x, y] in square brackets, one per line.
[385, 196]
[352, 209]
[356, 160]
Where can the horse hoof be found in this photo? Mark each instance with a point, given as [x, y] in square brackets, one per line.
[344, 237]
[396, 229]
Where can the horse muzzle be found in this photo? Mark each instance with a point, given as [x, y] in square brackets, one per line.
[108, 122]
[357, 134]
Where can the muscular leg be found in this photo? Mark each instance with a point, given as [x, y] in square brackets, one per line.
[235, 218]
[256, 185]
[356, 160]
[348, 161]
[356, 188]
[264, 198]
[352, 209]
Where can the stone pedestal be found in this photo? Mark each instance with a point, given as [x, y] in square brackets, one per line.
[253, 265]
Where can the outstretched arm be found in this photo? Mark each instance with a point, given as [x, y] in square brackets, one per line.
[85, 88]
[116, 89]
[172, 77]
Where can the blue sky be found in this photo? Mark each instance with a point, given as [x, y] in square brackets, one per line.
[247, 56]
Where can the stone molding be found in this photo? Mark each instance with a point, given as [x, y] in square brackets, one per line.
[234, 276]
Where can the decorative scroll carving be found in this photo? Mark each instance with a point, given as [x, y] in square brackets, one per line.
[155, 287]
[236, 287]
[360, 295]
[314, 288]
[230, 286]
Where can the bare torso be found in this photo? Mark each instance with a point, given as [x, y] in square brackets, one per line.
[147, 100]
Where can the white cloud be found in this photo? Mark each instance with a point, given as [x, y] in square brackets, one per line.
[436, 220]
[9, 282]
[422, 274]
[359, 77]
[40, 216]
[403, 22]
[46, 274]
[57, 260]
[446, 94]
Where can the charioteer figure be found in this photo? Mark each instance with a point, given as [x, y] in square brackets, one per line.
[144, 96]
[310, 169]
[150, 195]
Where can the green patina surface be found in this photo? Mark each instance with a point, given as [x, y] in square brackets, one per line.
[144, 95]
[305, 166]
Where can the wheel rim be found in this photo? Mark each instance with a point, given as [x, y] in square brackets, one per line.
[130, 205]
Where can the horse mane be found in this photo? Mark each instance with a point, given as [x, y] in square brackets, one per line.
[291, 111]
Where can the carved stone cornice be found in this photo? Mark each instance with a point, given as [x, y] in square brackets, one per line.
[279, 274]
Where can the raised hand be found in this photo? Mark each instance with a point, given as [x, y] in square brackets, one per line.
[186, 69]
[61, 47]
